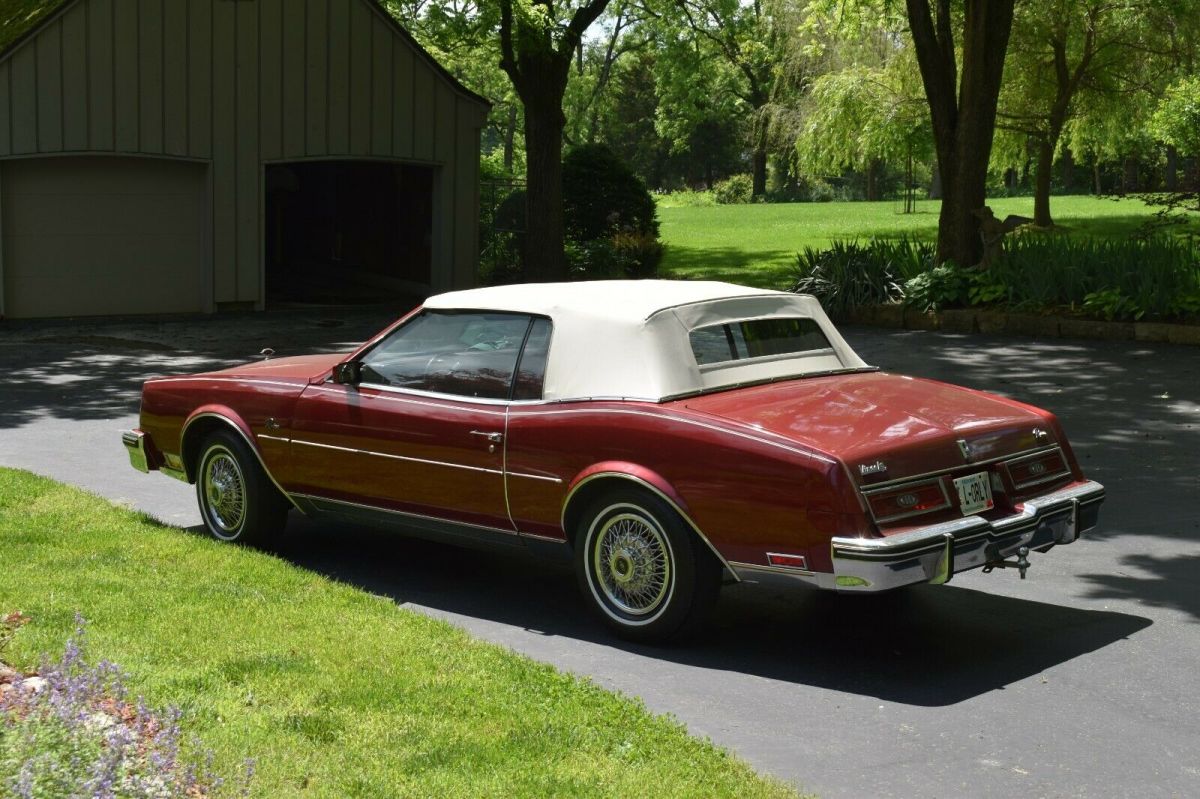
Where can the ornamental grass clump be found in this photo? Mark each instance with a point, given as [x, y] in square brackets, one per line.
[71, 731]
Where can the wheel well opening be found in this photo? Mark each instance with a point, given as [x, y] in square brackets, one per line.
[193, 438]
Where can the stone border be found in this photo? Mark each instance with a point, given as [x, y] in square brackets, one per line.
[971, 320]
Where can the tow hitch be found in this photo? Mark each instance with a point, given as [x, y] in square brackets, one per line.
[1021, 564]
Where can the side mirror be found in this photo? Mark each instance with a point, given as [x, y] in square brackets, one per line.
[348, 373]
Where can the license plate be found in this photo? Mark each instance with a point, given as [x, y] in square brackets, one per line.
[974, 493]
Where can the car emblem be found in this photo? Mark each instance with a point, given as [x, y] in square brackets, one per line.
[965, 449]
[1037, 468]
[872, 468]
[1039, 434]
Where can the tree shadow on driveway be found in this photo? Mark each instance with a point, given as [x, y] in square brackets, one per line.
[922, 646]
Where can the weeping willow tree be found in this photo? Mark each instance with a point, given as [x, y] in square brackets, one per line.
[862, 117]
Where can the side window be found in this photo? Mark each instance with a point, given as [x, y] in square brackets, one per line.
[531, 372]
[469, 354]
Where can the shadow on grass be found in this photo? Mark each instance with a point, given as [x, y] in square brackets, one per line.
[930, 647]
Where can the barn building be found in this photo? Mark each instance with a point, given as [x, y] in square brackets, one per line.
[184, 156]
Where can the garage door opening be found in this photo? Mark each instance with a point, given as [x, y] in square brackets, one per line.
[345, 232]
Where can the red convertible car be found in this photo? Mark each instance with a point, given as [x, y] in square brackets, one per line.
[667, 436]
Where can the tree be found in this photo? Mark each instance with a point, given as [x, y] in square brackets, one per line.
[1176, 121]
[538, 40]
[1064, 53]
[963, 111]
[738, 46]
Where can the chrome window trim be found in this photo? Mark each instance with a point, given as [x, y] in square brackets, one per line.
[416, 396]
[942, 472]
[249, 443]
[653, 489]
[407, 514]
[782, 356]
[873, 490]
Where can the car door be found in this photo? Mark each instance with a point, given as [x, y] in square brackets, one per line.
[421, 433]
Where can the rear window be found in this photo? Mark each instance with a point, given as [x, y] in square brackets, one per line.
[756, 338]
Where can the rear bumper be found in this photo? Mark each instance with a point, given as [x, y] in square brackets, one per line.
[936, 553]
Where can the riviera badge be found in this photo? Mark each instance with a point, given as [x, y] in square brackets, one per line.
[872, 468]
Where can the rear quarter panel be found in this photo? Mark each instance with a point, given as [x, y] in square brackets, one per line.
[748, 493]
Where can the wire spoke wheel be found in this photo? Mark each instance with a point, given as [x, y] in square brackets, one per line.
[224, 492]
[631, 560]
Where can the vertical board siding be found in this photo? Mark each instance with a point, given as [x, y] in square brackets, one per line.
[100, 74]
[75, 78]
[49, 88]
[293, 80]
[381, 87]
[402, 100]
[5, 103]
[339, 76]
[200, 88]
[126, 81]
[150, 75]
[360, 79]
[466, 193]
[248, 180]
[317, 72]
[175, 77]
[270, 86]
[444, 139]
[24, 101]
[423, 113]
[224, 147]
[237, 83]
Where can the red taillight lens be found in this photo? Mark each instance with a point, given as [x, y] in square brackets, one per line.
[1033, 470]
[912, 499]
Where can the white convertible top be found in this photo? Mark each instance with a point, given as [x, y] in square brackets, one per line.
[629, 339]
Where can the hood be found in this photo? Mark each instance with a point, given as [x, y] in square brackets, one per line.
[910, 425]
[299, 367]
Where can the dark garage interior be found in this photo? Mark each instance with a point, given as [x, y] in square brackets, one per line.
[346, 232]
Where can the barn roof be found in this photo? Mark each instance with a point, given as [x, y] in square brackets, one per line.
[20, 19]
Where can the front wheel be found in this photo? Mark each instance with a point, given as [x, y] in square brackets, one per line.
[646, 575]
[237, 500]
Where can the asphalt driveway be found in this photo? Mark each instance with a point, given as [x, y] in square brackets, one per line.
[1083, 680]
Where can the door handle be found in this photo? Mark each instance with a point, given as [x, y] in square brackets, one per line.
[495, 438]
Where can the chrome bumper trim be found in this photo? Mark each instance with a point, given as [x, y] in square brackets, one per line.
[936, 553]
[135, 446]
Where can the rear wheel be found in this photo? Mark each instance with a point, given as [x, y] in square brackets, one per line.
[237, 500]
[645, 573]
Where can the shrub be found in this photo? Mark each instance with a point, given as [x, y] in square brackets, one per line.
[602, 195]
[848, 275]
[621, 255]
[734, 190]
[940, 287]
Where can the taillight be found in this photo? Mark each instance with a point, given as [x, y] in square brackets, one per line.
[1041, 467]
[909, 499]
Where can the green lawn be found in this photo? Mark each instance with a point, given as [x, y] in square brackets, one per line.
[334, 692]
[756, 244]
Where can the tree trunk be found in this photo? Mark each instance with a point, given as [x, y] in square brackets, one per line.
[963, 112]
[1041, 187]
[935, 183]
[544, 256]
[759, 160]
[1130, 181]
[1172, 175]
[1068, 170]
[873, 169]
[510, 133]
[1099, 189]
